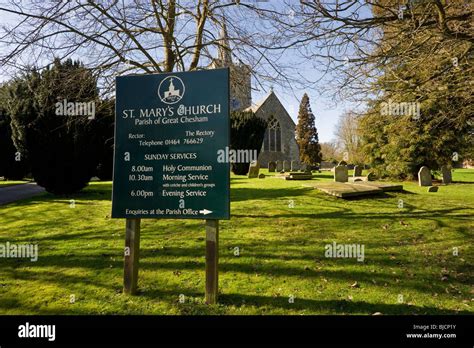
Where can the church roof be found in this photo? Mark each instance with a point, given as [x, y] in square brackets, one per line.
[267, 99]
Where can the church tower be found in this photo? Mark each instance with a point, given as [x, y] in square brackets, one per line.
[240, 74]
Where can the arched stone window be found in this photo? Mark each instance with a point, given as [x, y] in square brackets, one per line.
[272, 140]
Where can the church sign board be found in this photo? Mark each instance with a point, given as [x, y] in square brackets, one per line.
[168, 131]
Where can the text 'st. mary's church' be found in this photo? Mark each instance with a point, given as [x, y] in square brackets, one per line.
[279, 142]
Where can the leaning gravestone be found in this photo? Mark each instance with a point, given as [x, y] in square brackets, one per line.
[424, 176]
[340, 174]
[357, 171]
[286, 166]
[447, 177]
[295, 166]
[254, 170]
[279, 166]
[271, 167]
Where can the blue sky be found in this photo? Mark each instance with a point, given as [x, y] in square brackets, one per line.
[326, 113]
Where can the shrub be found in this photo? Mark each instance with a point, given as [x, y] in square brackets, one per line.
[247, 132]
[62, 149]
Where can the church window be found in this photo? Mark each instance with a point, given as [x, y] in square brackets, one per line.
[272, 140]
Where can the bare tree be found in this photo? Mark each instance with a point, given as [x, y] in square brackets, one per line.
[351, 43]
[116, 37]
[348, 138]
[330, 152]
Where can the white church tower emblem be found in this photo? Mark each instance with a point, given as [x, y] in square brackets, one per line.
[171, 90]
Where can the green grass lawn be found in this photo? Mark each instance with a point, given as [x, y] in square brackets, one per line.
[409, 266]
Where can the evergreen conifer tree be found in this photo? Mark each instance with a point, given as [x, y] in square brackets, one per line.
[307, 134]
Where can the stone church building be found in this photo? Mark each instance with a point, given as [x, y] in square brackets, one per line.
[279, 143]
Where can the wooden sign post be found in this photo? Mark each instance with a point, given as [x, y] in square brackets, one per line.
[212, 260]
[132, 255]
[170, 131]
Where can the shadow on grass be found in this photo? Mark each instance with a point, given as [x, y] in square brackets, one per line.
[261, 260]
[243, 194]
[369, 196]
[323, 175]
[332, 306]
[65, 281]
[196, 306]
[113, 261]
[349, 215]
[157, 260]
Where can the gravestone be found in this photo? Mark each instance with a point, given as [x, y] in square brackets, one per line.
[357, 171]
[306, 168]
[424, 176]
[447, 177]
[254, 169]
[286, 166]
[279, 166]
[295, 166]
[340, 174]
[433, 189]
[271, 167]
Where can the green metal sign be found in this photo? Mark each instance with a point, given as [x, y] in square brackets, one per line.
[168, 131]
